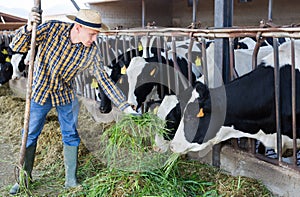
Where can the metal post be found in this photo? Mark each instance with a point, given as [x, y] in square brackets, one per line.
[190, 78]
[231, 58]
[270, 10]
[167, 63]
[223, 18]
[294, 121]
[195, 3]
[204, 60]
[143, 13]
[277, 98]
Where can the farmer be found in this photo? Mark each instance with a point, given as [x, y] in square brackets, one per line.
[64, 49]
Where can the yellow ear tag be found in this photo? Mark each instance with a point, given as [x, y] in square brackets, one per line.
[7, 59]
[120, 80]
[123, 70]
[155, 110]
[4, 51]
[198, 61]
[140, 47]
[200, 114]
[153, 72]
[94, 84]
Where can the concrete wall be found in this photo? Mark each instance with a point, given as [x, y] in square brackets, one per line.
[177, 13]
[129, 13]
[281, 181]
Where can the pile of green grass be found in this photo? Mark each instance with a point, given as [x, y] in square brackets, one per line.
[128, 144]
[114, 182]
[173, 176]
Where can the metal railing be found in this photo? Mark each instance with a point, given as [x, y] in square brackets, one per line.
[117, 42]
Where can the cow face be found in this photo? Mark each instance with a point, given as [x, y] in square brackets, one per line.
[203, 117]
[19, 65]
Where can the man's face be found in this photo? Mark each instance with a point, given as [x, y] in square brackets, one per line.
[87, 36]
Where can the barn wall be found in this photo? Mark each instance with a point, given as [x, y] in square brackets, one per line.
[177, 13]
[182, 14]
[129, 13]
[126, 14]
[251, 13]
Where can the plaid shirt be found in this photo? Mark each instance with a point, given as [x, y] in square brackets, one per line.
[58, 63]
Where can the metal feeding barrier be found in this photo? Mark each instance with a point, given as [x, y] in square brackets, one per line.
[6, 37]
[166, 42]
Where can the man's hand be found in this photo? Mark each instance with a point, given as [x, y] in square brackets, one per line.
[34, 17]
[129, 110]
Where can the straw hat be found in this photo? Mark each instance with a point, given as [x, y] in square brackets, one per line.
[90, 19]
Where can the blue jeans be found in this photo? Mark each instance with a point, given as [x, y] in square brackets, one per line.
[67, 117]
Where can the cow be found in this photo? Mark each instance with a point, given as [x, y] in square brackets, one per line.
[145, 73]
[284, 54]
[20, 62]
[115, 70]
[245, 107]
[6, 71]
[137, 92]
[5, 64]
[243, 52]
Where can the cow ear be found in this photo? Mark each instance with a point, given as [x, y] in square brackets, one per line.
[202, 90]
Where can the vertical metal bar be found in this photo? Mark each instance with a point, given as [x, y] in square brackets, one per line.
[130, 47]
[104, 59]
[270, 10]
[161, 73]
[293, 73]
[116, 48]
[176, 67]
[168, 63]
[224, 8]
[143, 13]
[136, 45]
[204, 60]
[259, 41]
[107, 51]
[231, 58]
[277, 99]
[147, 46]
[124, 49]
[190, 78]
[194, 13]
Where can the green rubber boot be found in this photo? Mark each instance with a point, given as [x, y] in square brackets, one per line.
[28, 165]
[70, 160]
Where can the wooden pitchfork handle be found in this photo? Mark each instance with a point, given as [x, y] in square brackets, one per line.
[37, 5]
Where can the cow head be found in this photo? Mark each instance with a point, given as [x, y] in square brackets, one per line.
[202, 118]
[6, 72]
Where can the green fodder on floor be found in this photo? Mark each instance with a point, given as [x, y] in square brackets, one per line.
[181, 178]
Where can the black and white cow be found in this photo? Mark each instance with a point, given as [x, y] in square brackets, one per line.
[20, 62]
[6, 69]
[137, 84]
[115, 71]
[244, 107]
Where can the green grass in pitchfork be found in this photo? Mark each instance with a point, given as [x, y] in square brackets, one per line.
[129, 143]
